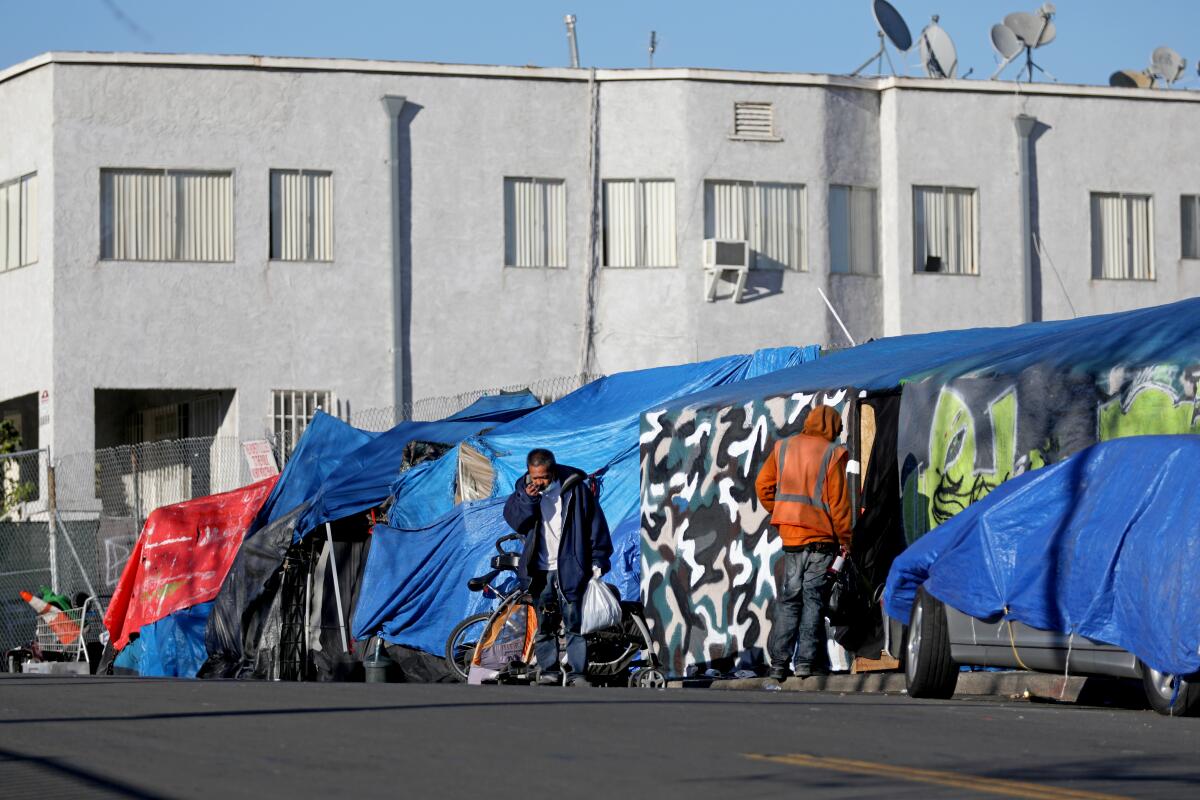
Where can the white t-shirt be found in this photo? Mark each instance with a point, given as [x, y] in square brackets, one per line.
[551, 538]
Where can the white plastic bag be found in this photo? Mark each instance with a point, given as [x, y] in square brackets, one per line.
[601, 608]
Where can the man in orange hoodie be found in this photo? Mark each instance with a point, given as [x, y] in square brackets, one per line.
[803, 485]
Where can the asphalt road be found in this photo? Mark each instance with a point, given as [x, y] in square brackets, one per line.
[83, 737]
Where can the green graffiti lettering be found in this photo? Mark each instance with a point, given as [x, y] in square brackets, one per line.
[1154, 410]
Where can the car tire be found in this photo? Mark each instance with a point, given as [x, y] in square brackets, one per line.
[929, 671]
[1161, 689]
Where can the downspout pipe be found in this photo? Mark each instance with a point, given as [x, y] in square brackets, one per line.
[1025, 125]
[392, 106]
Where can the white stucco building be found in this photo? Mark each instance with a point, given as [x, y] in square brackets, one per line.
[189, 240]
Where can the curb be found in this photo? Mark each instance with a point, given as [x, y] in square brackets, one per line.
[970, 684]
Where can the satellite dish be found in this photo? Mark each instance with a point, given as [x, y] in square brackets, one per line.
[1006, 42]
[892, 24]
[1022, 30]
[1034, 30]
[1167, 64]
[937, 52]
[892, 28]
[1130, 79]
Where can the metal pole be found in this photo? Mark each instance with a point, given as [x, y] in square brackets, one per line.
[839, 319]
[337, 591]
[52, 528]
[574, 44]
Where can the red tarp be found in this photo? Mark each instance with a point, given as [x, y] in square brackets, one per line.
[182, 557]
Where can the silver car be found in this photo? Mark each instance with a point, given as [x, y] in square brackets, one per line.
[939, 639]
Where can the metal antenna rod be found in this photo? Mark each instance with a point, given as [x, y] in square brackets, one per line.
[653, 46]
[574, 45]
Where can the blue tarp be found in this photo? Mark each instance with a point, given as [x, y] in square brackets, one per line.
[414, 587]
[363, 477]
[323, 445]
[172, 647]
[1103, 544]
[1148, 335]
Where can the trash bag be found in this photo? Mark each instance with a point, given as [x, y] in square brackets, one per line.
[848, 596]
[601, 607]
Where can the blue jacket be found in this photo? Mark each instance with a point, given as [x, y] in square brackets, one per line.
[585, 540]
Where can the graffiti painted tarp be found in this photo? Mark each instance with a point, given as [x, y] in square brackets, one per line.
[1119, 567]
[1009, 408]
[978, 406]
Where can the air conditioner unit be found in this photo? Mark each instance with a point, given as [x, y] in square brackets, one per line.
[722, 256]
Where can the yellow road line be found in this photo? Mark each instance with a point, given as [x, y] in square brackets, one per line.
[954, 780]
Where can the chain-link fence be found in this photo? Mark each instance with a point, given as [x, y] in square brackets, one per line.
[69, 524]
[546, 390]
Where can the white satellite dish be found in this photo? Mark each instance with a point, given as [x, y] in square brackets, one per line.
[892, 28]
[1167, 64]
[1024, 31]
[937, 52]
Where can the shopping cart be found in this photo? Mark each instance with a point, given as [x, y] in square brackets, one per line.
[62, 639]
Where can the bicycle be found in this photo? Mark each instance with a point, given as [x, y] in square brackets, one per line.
[612, 654]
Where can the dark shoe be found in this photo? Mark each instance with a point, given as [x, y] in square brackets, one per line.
[778, 674]
[549, 679]
[578, 683]
[804, 671]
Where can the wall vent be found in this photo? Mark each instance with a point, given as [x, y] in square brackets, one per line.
[754, 121]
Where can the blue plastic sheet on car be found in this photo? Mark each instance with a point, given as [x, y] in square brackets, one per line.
[1103, 544]
[414, 588]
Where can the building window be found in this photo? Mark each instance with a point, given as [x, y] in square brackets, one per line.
[1189, 212]
[945, 230]
[852, 226]
[535, 222]
[166, 215]
[754, 121]
[639, 223]
[770, 216]
[301, 215]
[292, 410]
[1121, 237]
[18, 222]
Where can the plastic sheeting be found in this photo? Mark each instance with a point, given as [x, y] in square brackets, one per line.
[322, 446]
[173, 647]
[364, 478]
[1085, 344]
[182, 557]
[415, 585]
[414, 589]
[1103, 544]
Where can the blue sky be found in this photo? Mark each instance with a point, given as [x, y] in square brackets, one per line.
[1095, 37]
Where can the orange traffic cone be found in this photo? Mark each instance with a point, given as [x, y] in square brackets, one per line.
[66, 629]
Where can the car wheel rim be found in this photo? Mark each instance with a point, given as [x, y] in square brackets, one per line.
[914, 642]
[1163, 683]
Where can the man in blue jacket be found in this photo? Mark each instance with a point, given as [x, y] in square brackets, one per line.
[566, 543]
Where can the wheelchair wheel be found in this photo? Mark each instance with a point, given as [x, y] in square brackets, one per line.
[460, 647]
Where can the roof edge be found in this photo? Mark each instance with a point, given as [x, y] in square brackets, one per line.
[307, 64]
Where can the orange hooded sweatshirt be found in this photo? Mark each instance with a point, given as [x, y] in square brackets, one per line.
[803, 483]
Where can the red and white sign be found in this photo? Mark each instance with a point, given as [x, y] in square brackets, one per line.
[182, 557]
[261, 459]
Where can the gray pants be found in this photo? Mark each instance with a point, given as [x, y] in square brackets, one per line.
[800, 610]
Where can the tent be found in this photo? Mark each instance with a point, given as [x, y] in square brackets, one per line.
[181, 558]
[1102, 545]
[447, 513]
[934, 422]
[284, 608]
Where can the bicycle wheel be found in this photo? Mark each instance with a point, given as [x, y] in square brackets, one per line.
[460, 647]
